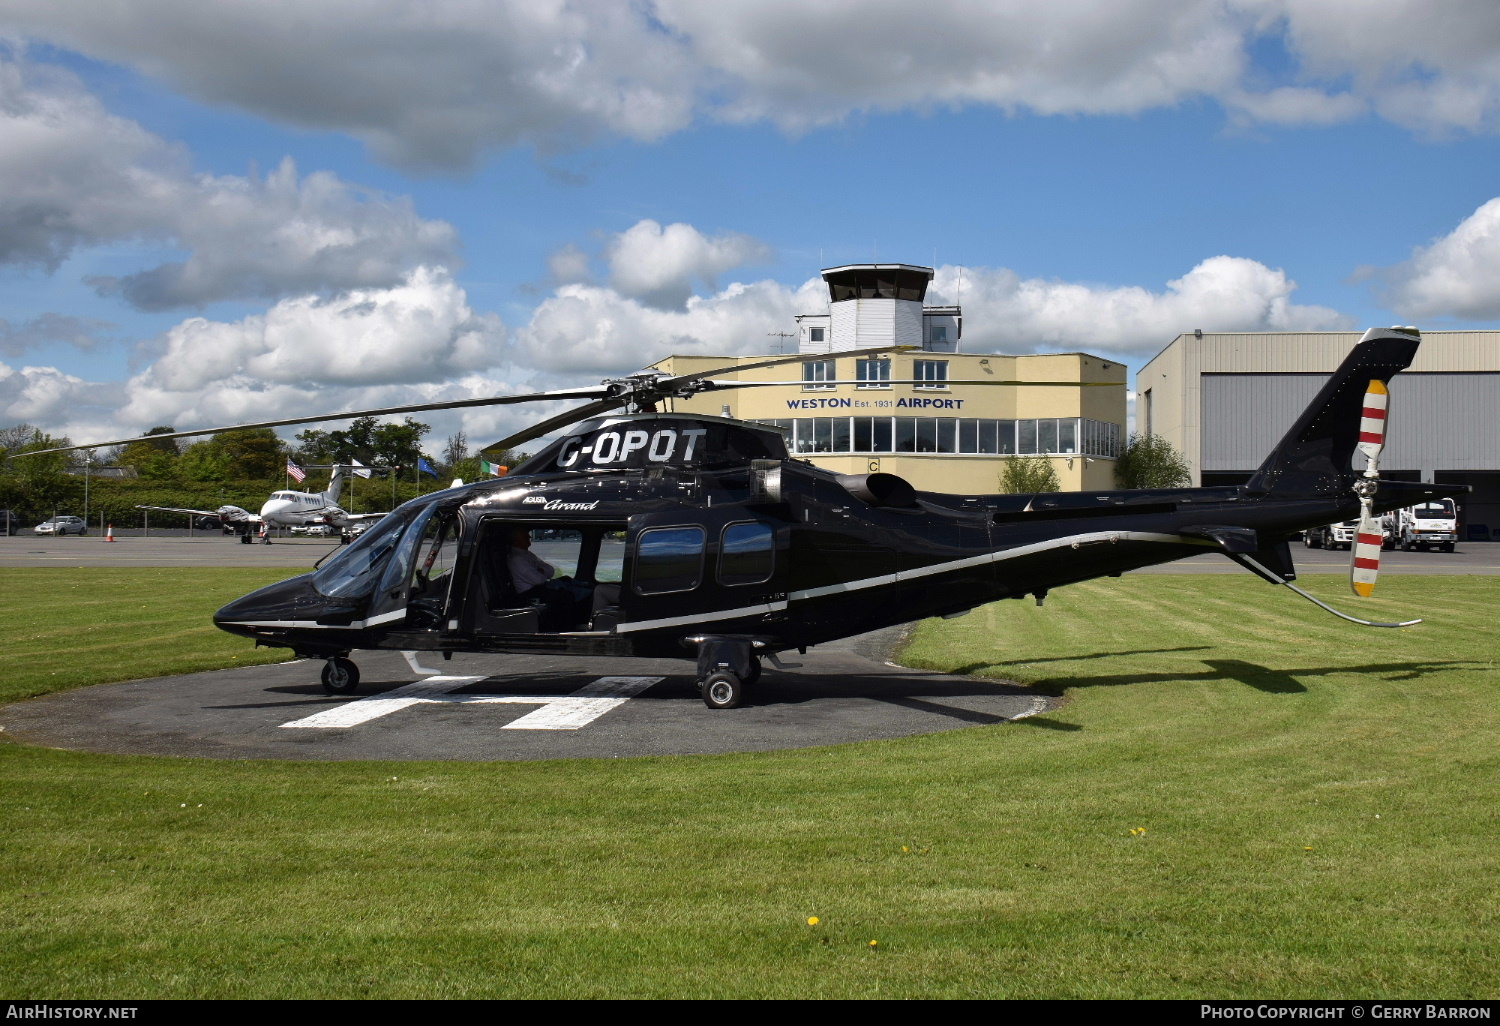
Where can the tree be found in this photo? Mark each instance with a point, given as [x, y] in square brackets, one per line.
[1027, 474]
[155, 460]
[457, 449]
[1150, 461]
[36, 481]
[249, 452]
[372, 443]
[203, 461]
[13, 438]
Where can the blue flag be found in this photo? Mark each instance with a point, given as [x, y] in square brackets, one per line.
[423, 467]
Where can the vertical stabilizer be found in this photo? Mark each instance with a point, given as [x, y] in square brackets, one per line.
[1315, 458]
[335, 486]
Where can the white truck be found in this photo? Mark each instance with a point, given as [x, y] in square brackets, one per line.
[1427, 525]
[1331, 536]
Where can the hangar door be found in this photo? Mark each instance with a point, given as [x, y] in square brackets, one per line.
[1438, 421]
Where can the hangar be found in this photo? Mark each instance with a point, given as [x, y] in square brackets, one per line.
[1226, 398]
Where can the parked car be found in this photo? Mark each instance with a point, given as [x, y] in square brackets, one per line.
[62, 525]
[10, 522]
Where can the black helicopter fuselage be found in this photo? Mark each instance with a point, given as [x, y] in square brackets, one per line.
[840, 563]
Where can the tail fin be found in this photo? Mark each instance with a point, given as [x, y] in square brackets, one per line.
[1314, 459]
[335, 485]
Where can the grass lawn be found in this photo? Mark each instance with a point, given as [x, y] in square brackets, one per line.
[63, 627]
[1242, 797]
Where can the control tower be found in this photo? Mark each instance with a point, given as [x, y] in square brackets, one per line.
[873, 305]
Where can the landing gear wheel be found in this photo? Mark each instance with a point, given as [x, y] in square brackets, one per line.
[340, 676]
[754, 674]
[723, 690]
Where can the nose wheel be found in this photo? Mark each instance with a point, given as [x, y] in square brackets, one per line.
[340, 676]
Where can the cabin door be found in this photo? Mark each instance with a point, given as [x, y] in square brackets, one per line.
[699, 566]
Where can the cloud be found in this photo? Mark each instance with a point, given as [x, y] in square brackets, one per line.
[430, 86]
[48, 328]
[420, 341]
[659, 266]
[73, 175]
[567, 265]
[46, 396]
[426, 85]
[1456, 276]
[1223, 293]
[420, 331]
[591, 330]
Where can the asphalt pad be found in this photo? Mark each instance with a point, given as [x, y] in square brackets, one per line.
[503, 707]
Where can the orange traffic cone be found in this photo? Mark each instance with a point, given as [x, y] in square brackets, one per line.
[109, 533]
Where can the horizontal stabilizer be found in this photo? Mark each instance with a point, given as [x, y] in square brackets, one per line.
[1229, 539]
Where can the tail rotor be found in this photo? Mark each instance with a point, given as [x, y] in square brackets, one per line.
[1364, 558]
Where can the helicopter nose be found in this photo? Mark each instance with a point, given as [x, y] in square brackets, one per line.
[284, 602]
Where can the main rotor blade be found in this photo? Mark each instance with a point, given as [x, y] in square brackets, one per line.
[800, 357]
[552, 424]
[715, 386]
[503, 400]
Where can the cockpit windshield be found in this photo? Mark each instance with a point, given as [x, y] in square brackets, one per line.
[353, 572]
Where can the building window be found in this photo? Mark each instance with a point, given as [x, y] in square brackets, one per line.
[939, 333]
[817, 375]
[668, 559]
[1067, 436]
[872, 373]
[746, 554]
[815, 334]
[931, 373]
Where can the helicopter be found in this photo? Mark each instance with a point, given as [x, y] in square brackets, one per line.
[700, 538]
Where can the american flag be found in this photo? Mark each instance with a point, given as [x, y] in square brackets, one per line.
[295, 472]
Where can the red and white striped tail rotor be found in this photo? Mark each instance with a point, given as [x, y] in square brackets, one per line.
[1364, 563]
[1364, 557]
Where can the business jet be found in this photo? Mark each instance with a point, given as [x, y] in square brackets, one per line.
[285, 509]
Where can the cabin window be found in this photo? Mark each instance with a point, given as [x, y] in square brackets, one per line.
[747, 554]
[668, 559]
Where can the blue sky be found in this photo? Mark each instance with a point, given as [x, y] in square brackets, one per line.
[491, 223]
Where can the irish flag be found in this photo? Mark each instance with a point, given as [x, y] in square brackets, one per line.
[492, 468]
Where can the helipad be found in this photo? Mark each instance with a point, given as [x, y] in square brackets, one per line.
[514, 708]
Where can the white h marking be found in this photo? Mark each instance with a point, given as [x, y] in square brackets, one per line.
[558, 712]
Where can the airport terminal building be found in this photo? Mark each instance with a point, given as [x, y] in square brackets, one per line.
[930, 415]
[1225, 399]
